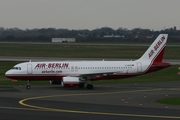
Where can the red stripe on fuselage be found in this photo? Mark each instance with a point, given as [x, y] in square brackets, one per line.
[35, 77]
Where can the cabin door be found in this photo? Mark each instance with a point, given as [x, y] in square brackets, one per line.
[139, 67]
[29, 68]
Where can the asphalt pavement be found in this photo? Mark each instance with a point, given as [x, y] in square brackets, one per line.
[113, 101]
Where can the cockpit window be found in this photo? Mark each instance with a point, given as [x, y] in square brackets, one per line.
[16, 68]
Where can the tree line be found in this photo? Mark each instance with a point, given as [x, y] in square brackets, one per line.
[104, 34]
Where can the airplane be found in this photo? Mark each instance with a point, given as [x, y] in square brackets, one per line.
[79, 73]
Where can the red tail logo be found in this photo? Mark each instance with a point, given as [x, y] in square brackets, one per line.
[156, 47]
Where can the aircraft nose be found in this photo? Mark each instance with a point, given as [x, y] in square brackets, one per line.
[7, 73]
[10, 74]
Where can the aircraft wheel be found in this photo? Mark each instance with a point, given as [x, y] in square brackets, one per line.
[89, 86]
[28, 87]
[81, 85]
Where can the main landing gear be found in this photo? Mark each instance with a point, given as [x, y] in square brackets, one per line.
[28, 86]
[81, 85]
[84, 80]
[89, 86]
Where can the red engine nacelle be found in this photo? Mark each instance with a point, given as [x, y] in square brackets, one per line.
[70, 81]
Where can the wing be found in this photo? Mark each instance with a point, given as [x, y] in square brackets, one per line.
[89, 76]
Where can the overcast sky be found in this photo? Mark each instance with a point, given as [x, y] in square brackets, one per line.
[90, 14]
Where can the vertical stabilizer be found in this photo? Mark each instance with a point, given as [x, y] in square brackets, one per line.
[156, 51]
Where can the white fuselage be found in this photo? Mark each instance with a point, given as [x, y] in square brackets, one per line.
[58, 69]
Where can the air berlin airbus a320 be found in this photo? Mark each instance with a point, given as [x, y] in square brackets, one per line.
[78, 73]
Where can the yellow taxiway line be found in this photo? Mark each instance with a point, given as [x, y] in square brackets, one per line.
[22, 102]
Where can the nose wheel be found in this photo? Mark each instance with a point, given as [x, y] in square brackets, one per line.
[28, 86]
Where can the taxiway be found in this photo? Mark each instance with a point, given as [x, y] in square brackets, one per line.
[117, 101]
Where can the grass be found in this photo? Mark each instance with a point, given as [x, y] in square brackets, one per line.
[81, 50]
[171, 101]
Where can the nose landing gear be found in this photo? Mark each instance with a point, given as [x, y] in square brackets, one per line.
[28, 86]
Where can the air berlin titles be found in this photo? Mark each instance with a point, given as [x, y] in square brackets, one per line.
[156, 47]
[51, 65]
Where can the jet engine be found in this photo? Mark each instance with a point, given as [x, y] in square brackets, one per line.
[70, 81]
[53, 82]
